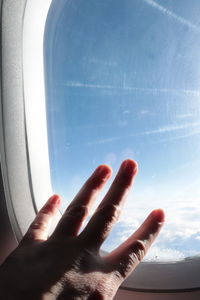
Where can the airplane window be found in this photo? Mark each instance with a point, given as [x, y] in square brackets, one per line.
[123, 80]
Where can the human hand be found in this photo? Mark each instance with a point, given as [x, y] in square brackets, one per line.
[68, 265]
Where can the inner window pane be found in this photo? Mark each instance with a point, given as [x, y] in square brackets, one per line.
[122, 80]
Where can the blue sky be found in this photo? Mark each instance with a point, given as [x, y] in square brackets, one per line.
[122, 80]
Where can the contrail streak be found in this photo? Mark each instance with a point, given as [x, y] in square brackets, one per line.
[75, 84]
[160, 130]
[165, 129]
[193, 133]
[172, 15]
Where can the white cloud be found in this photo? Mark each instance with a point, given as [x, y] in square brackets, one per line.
[164, 254]
[180, 236]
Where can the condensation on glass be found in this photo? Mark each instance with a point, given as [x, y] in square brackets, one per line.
[123, 80]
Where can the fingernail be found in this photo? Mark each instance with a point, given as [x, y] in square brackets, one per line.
[129, 166]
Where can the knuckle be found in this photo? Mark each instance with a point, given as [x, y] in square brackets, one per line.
[121, 273]
[38, 225]
[110, 211]
[125, 267]
[30, 236]
[77, 211]
[47, 210]
[139, 249]
[135, 254]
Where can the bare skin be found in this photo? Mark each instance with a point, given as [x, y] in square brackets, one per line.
[68, 265]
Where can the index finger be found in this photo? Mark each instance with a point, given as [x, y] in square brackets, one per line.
[77, 211]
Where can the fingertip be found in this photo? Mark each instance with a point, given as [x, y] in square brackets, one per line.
[159, 215]
[129, 165]
[104, 171]
[54, 200]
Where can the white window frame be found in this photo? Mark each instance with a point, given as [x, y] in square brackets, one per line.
[24, 144]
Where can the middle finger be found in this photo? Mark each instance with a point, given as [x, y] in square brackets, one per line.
[109, 209]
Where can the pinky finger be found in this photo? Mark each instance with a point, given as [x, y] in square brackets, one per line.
[39, 228]
[129, 254]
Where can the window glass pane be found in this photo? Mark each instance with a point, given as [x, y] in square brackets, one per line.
[122, 80]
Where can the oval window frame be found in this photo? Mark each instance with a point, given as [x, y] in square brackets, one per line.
[19, 152]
